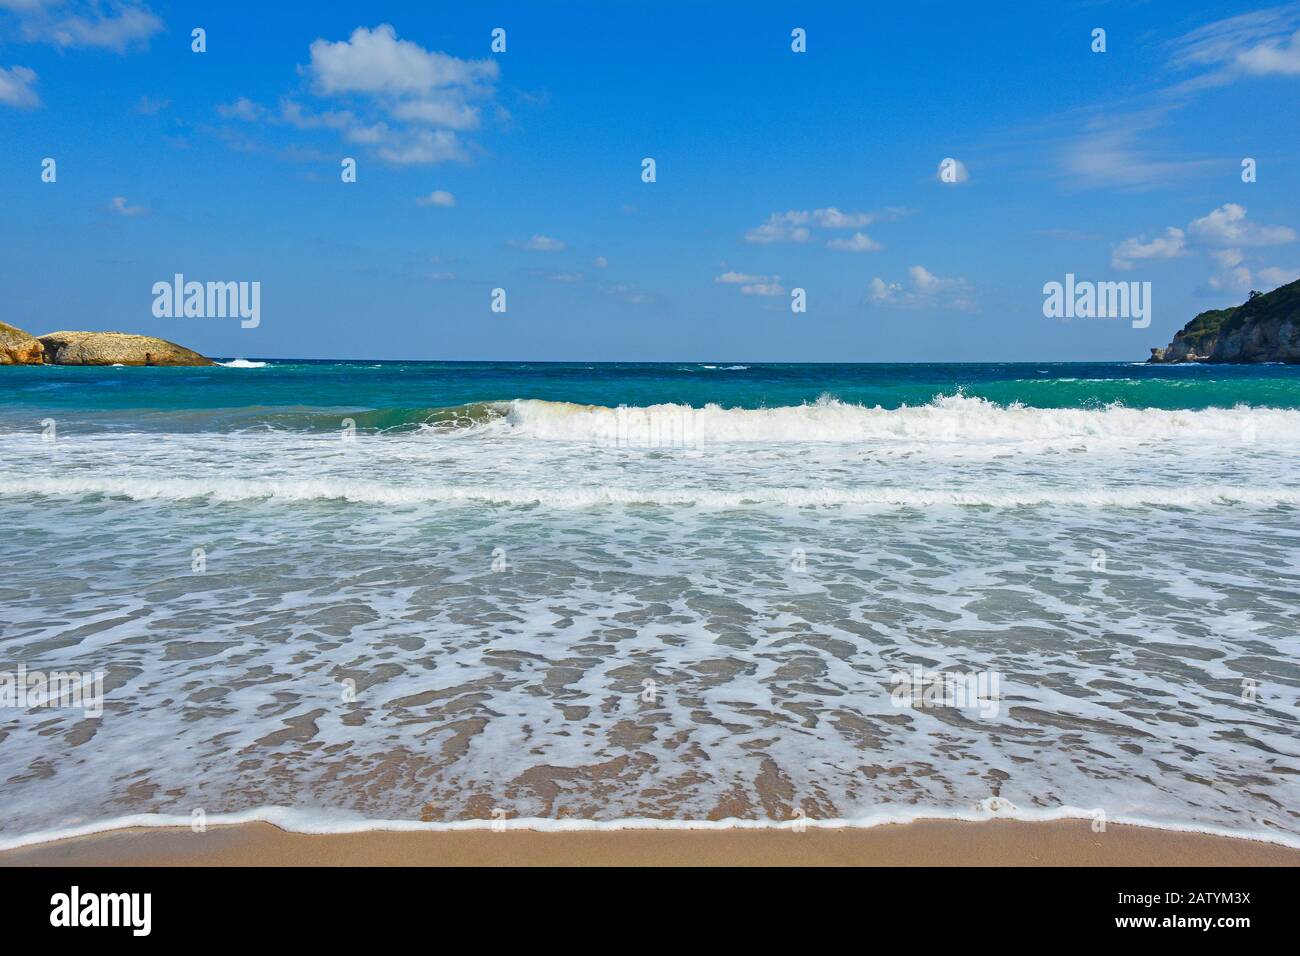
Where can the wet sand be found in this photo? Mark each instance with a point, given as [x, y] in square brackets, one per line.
[924, 843]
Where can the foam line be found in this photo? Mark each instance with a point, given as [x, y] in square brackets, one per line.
[367, 492]
[319, 823]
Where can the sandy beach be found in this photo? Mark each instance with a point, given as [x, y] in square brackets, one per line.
[924, 843]
[572, 437]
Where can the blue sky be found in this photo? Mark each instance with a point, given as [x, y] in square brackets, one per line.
[775, 170]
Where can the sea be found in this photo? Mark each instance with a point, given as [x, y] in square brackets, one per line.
[364, 594]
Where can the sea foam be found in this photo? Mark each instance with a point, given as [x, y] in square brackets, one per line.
[242, 363]
[375, 493]
[948, 418]
[500, 589]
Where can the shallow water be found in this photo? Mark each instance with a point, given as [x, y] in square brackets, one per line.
[455, 612]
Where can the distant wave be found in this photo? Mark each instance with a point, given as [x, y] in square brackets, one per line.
[367, 492]
[242, 363]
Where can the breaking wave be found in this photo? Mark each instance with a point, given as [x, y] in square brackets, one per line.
[242, 363]
[948, 418]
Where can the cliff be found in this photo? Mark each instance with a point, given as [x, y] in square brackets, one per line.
[1264, 328]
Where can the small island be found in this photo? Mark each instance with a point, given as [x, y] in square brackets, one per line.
[1264, 328]
[92, 348]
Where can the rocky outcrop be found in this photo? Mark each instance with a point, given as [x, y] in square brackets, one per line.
[19, 348]
[1264, 328]
[115, 348]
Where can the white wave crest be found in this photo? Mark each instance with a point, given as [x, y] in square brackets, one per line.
[365, 492]
[948, 418]
[242, 363]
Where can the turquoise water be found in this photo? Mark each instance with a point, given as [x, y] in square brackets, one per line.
[286, 394]
[426, 593]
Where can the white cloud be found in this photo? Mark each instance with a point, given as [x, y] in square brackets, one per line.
[752, 284]
[1228, 226]
[429, 112]
[794, 224]
[1140, 248]
[398, 146]
[439, 197]
[119, 205]
[376, 61]
[353, 128]
[538, 244]
[85, 23]
[923, 290]
[406, 102]
[926, 281]
[18, 87]
[781, 227]
[1223, 235]
[1231, 280]
[600, 262]
[1273, 276]
[832, 218]
[410, 84]
[242, 108]
[859, 242]
[1262, 43]
[423, 148]
[1273, 56]
[882, 291]
[1117, 152]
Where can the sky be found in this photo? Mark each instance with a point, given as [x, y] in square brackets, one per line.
[522, 169]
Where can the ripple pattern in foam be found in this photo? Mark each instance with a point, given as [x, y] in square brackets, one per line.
[414, 627]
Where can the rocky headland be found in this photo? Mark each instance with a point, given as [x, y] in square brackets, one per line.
[1264, 328]
[92, 348]
[19, 348]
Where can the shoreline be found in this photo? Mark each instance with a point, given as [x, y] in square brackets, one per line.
[920, 843]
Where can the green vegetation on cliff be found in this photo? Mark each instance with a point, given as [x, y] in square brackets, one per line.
[1264, 328]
